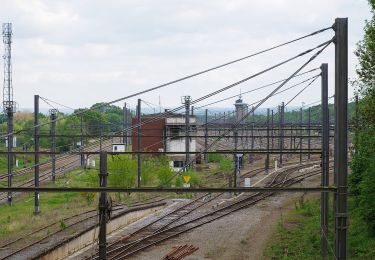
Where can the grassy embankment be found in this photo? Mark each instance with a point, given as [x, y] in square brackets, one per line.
[19, 219]
[298, 235]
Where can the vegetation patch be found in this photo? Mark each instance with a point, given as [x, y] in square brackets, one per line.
[298, 235]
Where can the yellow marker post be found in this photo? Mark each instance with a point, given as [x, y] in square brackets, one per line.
[186, 178]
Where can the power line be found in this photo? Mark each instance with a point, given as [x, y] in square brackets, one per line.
[258, 88]
[243, 80]
[312, 81]
[211, 69]
[253, 109]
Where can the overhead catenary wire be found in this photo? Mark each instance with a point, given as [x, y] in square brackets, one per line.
[314, 77]
[195, 74]
[232, 112]
[287, 103]
[279, 92]
[258, 88]
[262, 87]
[315, 102]
[249, 112]
[46, 100]
[312, 81]
[220, 66]
[254, 103]
[234, 84]
[249, 77]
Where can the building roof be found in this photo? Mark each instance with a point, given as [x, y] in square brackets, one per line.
[165, 115]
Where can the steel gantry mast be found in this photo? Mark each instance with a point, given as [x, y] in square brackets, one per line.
[341, 137]
[325, 163]
[186, 102]
[9, 105]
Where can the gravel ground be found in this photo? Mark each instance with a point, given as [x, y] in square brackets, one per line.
[241, 235]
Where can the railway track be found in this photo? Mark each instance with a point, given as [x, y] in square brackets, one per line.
[64, 163]
[252, 173]
[158, 226]
[38, 237]
[180, 221]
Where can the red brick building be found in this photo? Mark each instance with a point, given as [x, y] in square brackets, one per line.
[164, 133]
[152, 134]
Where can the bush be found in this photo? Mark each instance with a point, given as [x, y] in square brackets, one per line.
[215, 157]
[179, 181]
[195, 178]
[165, 173]
[123, 171]
[362, 179]
[226, 164]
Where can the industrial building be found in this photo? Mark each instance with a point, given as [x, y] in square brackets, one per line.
[165, 133]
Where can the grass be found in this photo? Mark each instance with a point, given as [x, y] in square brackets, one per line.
[298, 235]
[23, 162]
[15, 220]
[122, 171]
[54, 207]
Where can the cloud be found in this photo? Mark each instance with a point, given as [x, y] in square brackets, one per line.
[82, 52]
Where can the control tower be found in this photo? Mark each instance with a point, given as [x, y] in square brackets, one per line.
[241, 110]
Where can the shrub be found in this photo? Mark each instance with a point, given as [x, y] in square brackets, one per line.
[226, 164]
[215, 157]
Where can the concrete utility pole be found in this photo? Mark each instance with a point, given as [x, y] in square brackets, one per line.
[103, 206]
[341, 136]
[272, 129]
[219, 123]
[100, 134]
[300, 135]
[268, 141]
[130, 132]
[36, 153]
[281, 132]
[291, 139]
[206, 136]
[251, 157]
[81, 145]
[139, 143]
[236, 173]
[53, 117]
[125, 126]
[325, 162]
[309, 133]
[186, 101]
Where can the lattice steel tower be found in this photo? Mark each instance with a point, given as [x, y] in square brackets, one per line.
[8, 103]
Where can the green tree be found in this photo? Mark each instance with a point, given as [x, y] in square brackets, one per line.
[362, 179]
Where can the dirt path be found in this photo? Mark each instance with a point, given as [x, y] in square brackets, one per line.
[241, 235]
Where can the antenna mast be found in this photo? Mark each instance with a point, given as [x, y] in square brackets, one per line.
[8, 103]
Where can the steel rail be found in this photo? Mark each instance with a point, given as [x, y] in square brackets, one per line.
[126, 247]
[125, 209]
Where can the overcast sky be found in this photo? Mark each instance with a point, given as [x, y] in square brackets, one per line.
[81, 52]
